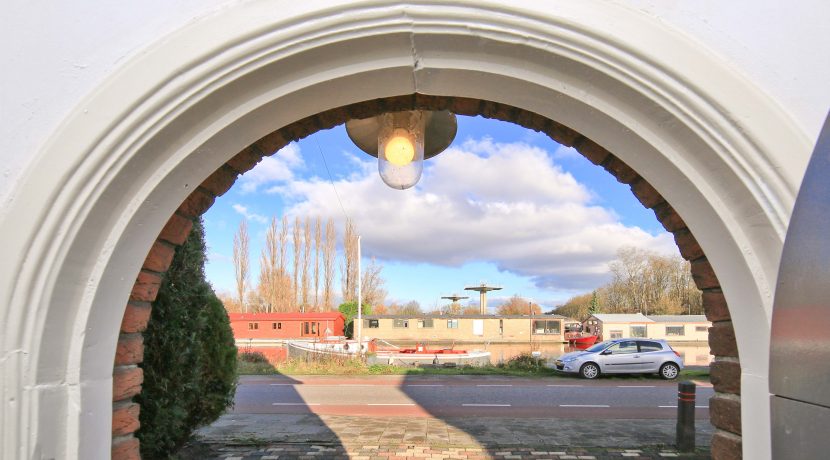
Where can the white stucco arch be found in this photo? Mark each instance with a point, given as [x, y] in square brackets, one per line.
[86, 211]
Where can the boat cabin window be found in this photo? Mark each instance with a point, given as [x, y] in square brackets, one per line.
[424, 323]
[313, 328]
[573, 327]
[546, 327]
[452, 324]
[401, 323]
[371, 323]
[675, 330]
[253, 326]
[276, 325]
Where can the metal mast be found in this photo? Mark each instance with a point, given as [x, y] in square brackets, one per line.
[482, 289]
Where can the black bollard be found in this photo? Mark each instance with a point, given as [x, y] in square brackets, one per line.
[686, 416]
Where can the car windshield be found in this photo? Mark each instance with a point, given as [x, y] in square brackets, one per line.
[598, 347]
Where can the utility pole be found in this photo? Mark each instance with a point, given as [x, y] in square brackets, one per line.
[359, 302]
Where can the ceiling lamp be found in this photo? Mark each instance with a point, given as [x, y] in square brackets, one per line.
[401, 141]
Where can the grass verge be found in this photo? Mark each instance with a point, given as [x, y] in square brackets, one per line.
[520, 366]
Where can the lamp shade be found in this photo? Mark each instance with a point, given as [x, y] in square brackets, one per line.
[402, 140]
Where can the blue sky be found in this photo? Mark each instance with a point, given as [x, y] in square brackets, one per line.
[503, 204]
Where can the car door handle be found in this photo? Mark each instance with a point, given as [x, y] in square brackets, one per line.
[636, 356]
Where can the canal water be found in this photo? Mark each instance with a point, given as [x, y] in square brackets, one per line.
[693, 353]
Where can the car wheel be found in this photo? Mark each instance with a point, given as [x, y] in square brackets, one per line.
[669, 371]
[589, 371]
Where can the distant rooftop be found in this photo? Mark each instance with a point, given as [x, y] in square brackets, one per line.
[435, 315]
[622, 318]
[283, 316]
[679, 318]
[640, 318]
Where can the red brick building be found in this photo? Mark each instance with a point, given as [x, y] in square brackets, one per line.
[286, 325]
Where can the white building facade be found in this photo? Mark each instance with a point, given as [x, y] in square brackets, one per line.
[674, 328]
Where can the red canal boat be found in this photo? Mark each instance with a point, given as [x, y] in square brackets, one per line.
[422, 354]
[423, 350]
[582, 340]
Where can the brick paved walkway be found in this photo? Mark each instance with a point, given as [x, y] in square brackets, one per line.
[309, 436]
[420, 452]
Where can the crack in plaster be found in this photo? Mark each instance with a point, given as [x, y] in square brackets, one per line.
[413, 47]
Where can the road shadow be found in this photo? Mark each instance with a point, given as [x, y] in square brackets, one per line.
[269, 418]
[477, 416]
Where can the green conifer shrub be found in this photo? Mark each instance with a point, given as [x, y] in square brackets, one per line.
[189, 355]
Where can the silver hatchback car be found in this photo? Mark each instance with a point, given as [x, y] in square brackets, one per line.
[623, 356]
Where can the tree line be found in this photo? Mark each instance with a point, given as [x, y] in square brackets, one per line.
[297, 264]
[642, 282]
[515, 305]
[297, 270]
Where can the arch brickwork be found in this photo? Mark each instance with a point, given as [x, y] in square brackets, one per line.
[725, 406]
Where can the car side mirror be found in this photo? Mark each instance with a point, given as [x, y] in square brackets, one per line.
[606, 352]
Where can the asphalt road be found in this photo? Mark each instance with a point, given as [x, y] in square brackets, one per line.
[460, 396]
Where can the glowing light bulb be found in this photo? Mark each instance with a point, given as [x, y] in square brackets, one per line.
[402, 140]
[399, 149]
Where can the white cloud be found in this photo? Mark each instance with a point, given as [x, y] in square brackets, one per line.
[508, 204]
[243, 210]
[274, 169]
[492, 172]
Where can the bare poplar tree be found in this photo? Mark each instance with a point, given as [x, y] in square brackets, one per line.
[298, 245]
[259, 297]
[240, 262]
[306, 285]
[371, 284]
[269, 275]
[264, 287]
[317, 241]
[348, 269]
[328, 264]
[284, 285]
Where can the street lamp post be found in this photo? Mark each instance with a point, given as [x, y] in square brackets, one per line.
[359, 303]
[530, 315]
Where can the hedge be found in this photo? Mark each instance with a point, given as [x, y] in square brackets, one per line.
[349, 310]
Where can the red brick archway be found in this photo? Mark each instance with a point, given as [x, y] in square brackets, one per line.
[127, 376]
